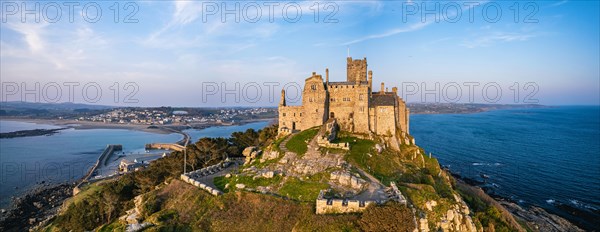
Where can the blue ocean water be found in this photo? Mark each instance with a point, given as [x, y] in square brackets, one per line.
[224, 131]
[68, 155]
[65, 156]
[549, 157]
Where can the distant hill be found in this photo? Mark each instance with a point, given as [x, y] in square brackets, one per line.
[51, 106]
[463, 108]
[48, 110]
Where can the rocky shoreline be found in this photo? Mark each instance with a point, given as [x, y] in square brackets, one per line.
[535, 217]
[35, 208]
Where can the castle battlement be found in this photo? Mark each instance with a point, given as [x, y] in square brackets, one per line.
[353, 103]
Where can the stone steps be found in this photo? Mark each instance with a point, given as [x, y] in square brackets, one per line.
[284, 142]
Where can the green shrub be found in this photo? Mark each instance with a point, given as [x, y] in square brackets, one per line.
[390, 217]
[151, 204]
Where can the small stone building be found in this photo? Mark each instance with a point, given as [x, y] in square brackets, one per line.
[353, 103]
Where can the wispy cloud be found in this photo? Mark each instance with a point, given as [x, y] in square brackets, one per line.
[412, 27]
[395, 31]
[558, 3]
[52, 44]
[496, 37]
[32, 34]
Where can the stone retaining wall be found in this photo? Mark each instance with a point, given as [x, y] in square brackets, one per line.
[102, 160]
[326, 206]
[194, 176]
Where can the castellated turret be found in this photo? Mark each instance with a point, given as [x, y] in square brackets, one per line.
[356, 70]
[353, 103]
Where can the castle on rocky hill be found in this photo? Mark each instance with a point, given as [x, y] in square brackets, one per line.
[353, 103]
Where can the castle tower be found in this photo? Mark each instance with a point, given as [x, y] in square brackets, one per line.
[356, 70]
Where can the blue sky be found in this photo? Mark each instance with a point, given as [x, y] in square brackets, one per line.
[178, 52]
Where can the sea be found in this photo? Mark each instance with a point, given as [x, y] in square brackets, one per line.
[547, 157]
[27, 162]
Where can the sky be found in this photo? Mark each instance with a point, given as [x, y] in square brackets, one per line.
[207, 53]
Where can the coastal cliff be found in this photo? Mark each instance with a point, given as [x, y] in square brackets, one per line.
[277, 185]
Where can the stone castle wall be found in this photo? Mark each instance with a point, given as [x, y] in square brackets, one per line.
[351, 102]
[291, 117]
[349, 105]
[385, 121]
[314, 99]
[333, 206]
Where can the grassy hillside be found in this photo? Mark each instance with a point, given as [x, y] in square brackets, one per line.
[172, 205]
[178, 206]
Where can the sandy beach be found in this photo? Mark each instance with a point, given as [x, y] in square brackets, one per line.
[83, 125]
[160, 129]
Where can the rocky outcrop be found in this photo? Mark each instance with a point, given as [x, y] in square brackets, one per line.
[538, 219]
[348, 180]
[269, 155]
[250, 153]
[36, 208]
[456, 218]
[327, 135]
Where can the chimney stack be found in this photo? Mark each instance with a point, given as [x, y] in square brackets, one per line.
[370, 79]
[282, 100]
[382, 87]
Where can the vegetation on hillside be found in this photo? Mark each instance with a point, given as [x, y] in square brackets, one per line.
[103, 202]
[487, 212]
[422, 180]
[299, 142]
[172, 205]
[182, 207]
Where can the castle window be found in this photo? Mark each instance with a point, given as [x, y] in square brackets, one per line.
[360, 97]
[300, 114]
[313, 87]
[283, 114]
[294, 114]
[317, 110]
[362, 109]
